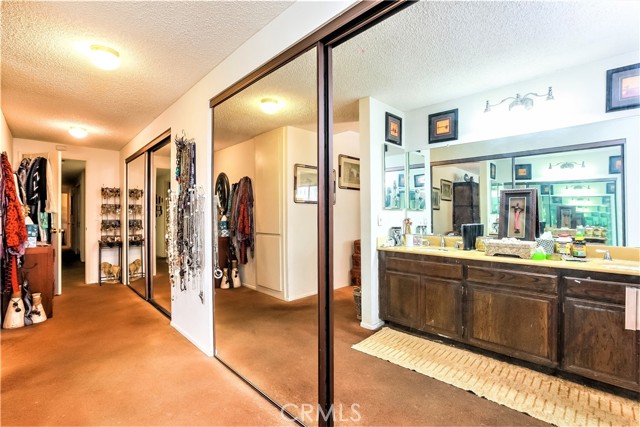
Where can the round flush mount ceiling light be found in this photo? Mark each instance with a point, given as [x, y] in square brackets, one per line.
[270, 105]
[104, 57]
[78, 132]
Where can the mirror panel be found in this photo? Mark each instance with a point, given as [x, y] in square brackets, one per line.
[135, 218]
[417, 181]
[395, 177]
[161, 181]
[266, 327]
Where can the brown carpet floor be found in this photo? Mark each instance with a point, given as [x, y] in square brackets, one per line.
[109, 358]
[273, 343]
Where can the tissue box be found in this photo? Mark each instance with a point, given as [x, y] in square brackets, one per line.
[546, 244]
[512, 247]
[32, 235]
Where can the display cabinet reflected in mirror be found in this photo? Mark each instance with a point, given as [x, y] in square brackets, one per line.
[395, 178]
[134, 244]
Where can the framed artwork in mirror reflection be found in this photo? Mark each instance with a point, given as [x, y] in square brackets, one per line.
[435, 199]
[518, 216]
[348, 172]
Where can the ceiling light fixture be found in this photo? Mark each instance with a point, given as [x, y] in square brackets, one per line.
[78, 132]
[104, 57]
[520, 101]
[567, 165]
[270, 105]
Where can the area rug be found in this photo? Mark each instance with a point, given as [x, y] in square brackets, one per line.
[547, 398]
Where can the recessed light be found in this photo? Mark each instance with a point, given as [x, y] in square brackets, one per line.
[270, 105]
[104, 57]
[78, 132]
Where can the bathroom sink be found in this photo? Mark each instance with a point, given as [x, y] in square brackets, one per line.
[622, 267]
[428, 249]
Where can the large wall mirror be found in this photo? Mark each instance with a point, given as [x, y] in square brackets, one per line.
[395, 177]
[134, 244]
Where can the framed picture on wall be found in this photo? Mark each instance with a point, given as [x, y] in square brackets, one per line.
[443, 126]
[305, 183]
[623, 88]
[492, 170]
[611, 187]
[546, 189]
[522, 171]
[418, 180]
[348, 172]
[435, 199]
[518, 214]
[393, 129]
[446, 190]
[615, 164]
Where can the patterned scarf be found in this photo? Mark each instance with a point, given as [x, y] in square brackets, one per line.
[15, 231]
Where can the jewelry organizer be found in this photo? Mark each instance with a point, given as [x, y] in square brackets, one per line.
[110, 236]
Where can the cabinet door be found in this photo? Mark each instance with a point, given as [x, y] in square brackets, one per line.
[597, 346]
[400, 302]
[442, 302]
[518, 324]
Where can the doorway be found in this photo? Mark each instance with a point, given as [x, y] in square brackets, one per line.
[72, 218]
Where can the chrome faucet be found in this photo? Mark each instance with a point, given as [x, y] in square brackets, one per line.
[607, 255]
[442, 241]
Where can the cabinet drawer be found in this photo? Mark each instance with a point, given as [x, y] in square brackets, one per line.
[600, 290]
[432, 269]
[529, 281]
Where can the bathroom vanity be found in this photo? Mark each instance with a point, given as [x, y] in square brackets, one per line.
[561, 315]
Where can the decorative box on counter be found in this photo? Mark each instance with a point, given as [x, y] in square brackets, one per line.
[511, 247]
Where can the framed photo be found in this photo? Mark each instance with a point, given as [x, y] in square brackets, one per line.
[623, 88]
[401, 181]
[446, 190]
[443, 126]
[611, 187]
[393, 129]
[615, 164]
[305, 183]
[518, 214]
[348, 172]
[492, 170]
[546, 189]
[435, 199]
[522, 172]
[418, 180]
[566, 216]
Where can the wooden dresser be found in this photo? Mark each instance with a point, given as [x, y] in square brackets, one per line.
[39, 267]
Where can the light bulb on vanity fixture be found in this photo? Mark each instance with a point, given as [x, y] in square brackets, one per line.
[520, 102]
[104, 57]
[270, 105]
[78, 132]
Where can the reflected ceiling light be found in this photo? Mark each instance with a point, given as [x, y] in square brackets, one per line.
[567, 165]
[520, 102]
[270, 105]
[104, 57]
[78, 132]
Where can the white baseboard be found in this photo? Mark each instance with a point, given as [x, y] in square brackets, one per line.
[208, 352]
[372, 327]
[247, 285]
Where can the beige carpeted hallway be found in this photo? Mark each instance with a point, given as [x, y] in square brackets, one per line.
[109, 358]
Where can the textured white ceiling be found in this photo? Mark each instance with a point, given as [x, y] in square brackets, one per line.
[435, 51]
[165, 47]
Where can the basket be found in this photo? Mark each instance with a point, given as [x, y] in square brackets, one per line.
[357, 298]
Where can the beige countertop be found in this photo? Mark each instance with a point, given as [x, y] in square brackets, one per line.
[617, 266]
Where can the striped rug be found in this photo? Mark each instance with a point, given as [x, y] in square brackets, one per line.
[550, 399]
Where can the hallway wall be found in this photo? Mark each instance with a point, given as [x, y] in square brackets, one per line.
[101, 170]
[6, 139]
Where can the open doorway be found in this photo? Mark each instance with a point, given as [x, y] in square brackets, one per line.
[72, 216]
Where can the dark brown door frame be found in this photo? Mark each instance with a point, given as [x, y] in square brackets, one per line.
[352, 22]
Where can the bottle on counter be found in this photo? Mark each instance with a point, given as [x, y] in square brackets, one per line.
[579, 249]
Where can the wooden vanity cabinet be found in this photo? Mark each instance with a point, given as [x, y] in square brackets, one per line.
[596, 344]
[513, 313]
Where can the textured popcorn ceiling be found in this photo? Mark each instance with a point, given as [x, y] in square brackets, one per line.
[166, 47]
[435, 51]
[426, 54]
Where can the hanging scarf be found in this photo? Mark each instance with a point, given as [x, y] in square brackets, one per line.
[244, 219]
[15, 231]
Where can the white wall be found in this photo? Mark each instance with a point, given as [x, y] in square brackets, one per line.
[101, 170]
[191, 113]
[6, 139]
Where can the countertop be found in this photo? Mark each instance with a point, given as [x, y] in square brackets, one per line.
[626, 267]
